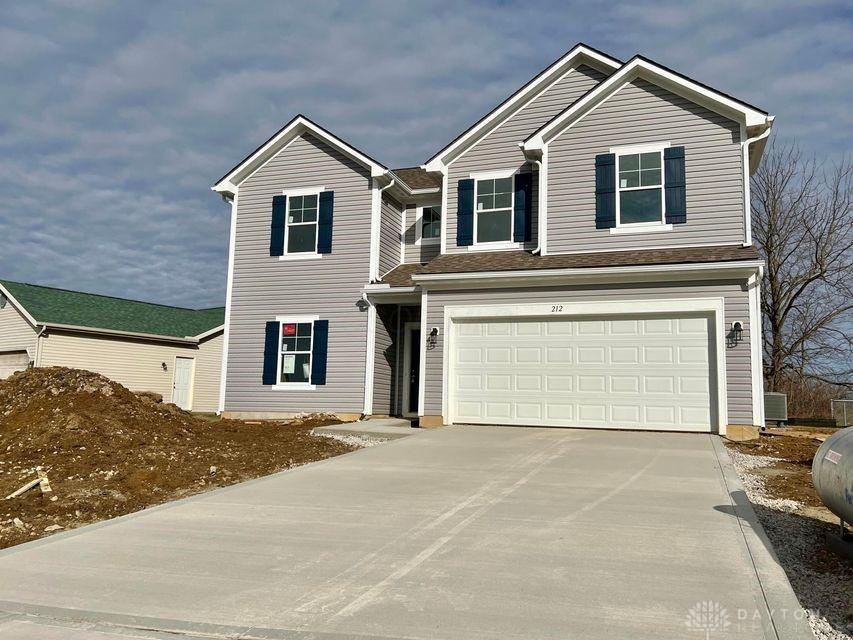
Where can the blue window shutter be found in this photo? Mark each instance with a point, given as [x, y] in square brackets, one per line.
[675, 192]
[271, 352]
[324, 222]
[605, 191]
[523, 214]
[465, 213]
[319, 352]
[279, 206]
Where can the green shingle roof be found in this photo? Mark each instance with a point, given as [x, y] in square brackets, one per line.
[60, 306]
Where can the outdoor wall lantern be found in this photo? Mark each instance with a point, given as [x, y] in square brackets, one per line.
[737, 332]
[165, 368]
[432, 338]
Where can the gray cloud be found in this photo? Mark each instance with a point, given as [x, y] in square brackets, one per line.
[116, 118]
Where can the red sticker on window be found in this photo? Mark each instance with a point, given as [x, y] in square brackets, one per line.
[288, 329]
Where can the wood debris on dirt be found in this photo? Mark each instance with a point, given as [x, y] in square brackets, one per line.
[108, 451]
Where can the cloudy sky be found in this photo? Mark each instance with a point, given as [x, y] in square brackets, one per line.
[116, 117]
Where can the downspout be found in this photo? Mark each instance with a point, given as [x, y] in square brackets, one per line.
[37, 355]
[375, 234]
[747, 205]
[542, 226]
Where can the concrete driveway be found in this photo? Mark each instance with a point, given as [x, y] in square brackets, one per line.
[462, 532]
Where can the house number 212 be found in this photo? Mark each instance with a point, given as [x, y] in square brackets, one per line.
[556, 308]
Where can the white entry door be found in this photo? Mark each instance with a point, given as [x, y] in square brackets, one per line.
[616, 372]
[182, 384]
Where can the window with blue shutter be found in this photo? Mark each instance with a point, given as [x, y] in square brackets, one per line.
[675, 187]
[279, 207]
[605, 191]
[465, 213]
[523, 206]
[270, 370]
[324, 228]
[319, 352]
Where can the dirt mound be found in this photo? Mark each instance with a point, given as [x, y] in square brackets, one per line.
[108, 451]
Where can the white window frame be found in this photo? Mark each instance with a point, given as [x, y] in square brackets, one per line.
[294, 386]
[640, 227]
[496, 244]
[419, 230]
[302, 255]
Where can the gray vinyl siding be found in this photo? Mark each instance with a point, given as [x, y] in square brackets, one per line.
[414, 252]
[16, 334]
[738, 368]
[264, 287]
[389, 234]
[385, 361]
[499, 148]
[642, 113]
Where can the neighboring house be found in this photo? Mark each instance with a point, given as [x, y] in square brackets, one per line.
[146, 347]
[582, 256]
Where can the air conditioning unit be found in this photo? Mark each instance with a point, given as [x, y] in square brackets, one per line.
[776, 408]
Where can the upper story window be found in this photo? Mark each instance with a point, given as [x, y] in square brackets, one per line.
[295, 352]
[431, 224]
[301, 227]
[493, 210]
[639, 192]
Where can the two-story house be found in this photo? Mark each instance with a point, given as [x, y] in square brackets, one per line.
[580, 257]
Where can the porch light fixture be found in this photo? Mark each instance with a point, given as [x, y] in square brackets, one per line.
[737, 332]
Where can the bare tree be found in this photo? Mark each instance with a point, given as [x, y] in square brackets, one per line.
[803, 224]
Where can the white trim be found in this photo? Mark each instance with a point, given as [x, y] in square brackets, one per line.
[370, 357]
[375, 224]
[208, 333]
[640, 227]
[494, 246]
[714, 306]
[190, 340]
[638, 67]
[296, 193]
[422, 370]
[18, 306]
[497, 174]
[419, 215]
[294, 386]
[403, 215]
[579, 54]
[397, 342]
[191, 397]
[299, 125]
[444, 182]
[755, 348]
[303, 255]
[542, 228]
[702, 270]
[507, 174]
[407, 363]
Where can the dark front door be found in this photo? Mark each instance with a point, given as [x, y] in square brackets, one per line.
[414, 369]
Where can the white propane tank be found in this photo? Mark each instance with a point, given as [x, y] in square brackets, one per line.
[832, 473]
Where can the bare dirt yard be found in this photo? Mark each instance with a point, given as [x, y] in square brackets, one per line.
[776, 472]
[107, 451]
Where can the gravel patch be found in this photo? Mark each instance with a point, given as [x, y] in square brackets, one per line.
[352, 440]
[822, 582]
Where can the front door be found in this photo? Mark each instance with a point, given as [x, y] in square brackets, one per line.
[412, 368]
[182, 383]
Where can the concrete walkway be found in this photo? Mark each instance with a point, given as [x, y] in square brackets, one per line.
[461, 532]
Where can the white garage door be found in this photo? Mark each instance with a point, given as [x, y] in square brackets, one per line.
[630, 372]
[12, 361]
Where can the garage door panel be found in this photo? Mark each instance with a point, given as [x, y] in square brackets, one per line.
[619, 372]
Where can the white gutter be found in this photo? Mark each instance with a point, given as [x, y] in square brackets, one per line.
[542, 227]
[747, 205]
[116, 332]
[375, 228]
[713, 269]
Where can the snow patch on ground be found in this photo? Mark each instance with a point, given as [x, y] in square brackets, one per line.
[351, 439]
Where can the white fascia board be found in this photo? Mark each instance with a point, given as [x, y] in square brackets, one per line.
[208, 333]
[638, 273]
[19, 306]
[117, 333]
[578, 55]
[297, 127]
[656, 74]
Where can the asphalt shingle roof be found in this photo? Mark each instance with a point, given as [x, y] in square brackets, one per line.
[61, 306]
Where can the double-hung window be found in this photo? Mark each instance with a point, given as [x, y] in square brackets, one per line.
[639, 186]
[301, 227]
[430, 224]
[294, 362]
[493, 210]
